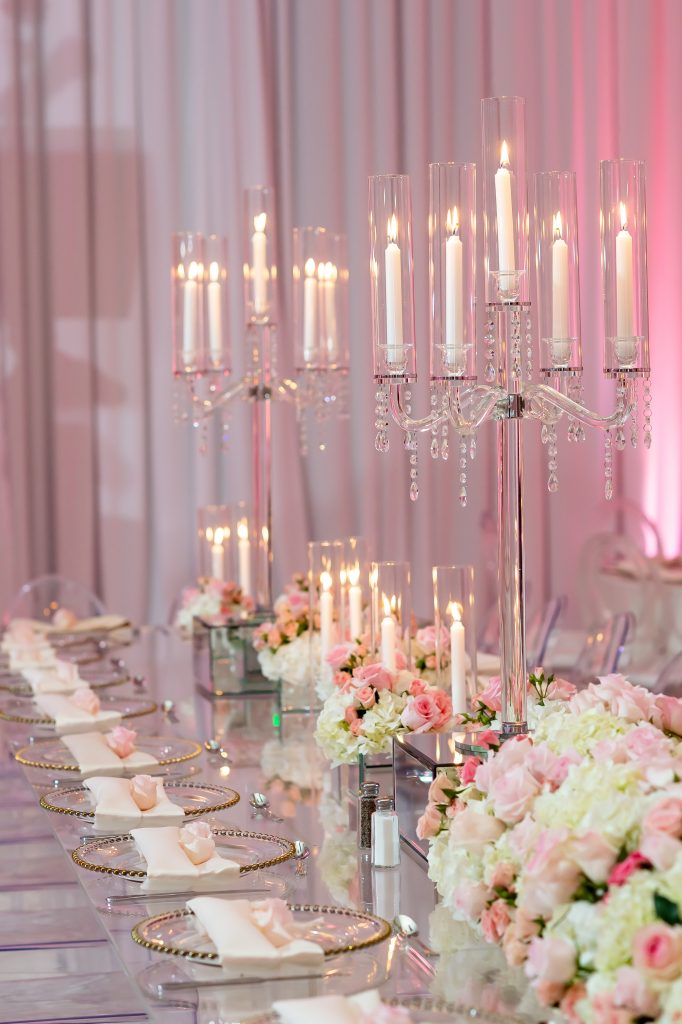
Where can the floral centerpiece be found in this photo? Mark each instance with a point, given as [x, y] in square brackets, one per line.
[565, 848]
[424, 652]
[214, 601]
[286, 644]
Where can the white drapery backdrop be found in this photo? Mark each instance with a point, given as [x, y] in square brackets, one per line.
[123, 121]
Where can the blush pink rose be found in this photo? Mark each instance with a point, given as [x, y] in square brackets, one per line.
[670, 709]
[366, 696]
[632, 993]
[467, 772]
[422, 713]
[274, 919]
[495, 921]
[374, 675]
[85, 699]
[339, 655]
[274, 637]
[561, 689]
[471, 899]
[610, 750]
[661, 849]
[622, 871]
[67, 671]
[196, 839]
[646, 742]
[594, 856]
[568, 1004]
[513, 794]
[400, 661]
[491, 696]
[633, 703]
[121, 740]
[350, 714]
[551, 875]
[440, 783]
[657, 951]
[356, 727]
[503, 875]
[426, 638]
[417, 686]
[551, 958]
[64, 618]
[475, 830]
[144, 792]
[430, 822]
[605, 1011]
[665, 816]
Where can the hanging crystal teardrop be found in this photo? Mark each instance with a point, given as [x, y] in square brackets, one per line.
[516, 344]
[414, 472]
[552, 463]
[529, 347]
[490, 372]
[472, 447]
[634, 425]
[646, 414]
[463, 472]
[381, 418]
[608, 466]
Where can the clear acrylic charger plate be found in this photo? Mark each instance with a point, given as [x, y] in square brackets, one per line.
[24, 710]
[97, 677]
[120, 856]
[195, 798]
[53, 755]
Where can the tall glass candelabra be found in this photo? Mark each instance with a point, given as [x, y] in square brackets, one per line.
[201, 350]
[512, 392]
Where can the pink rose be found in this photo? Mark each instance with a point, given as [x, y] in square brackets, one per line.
[503, 875]
[85, 699]
[610, 750]
[475, 830]
[64, 618]
[665, 816]
[522, 837]
[356, 727]
[551, 958]
[646, 742]
[633, 703]
[605, 1011]
[455, 808]
[437, 787]
[516, 938]
[290, 630]
[594, 856]
[657, 951]
[67, 671]
[444, 705]
[631, 993]
[274, 637]
[560, 689]
[274, 919]
[339, 655]
[426, 638]
[418, 686]
[568, 1004]
[121, 740]
[551, 875]
[374, 675]
[400, 660]
[494, 921]
[513, 794]
[670, 709]
[366, 696]
[430, 661]
[467, 772]
[350, 714]
[420, 713]
[471, 898]
[143, 791]
[430, 822]
[661, 849]
[196, 839]
[491, 697]
[621, 872]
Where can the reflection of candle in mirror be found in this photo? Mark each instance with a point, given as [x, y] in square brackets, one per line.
[217, 555]
[559, 281]
[330, 330]
[259, 270]
[457, 660]
[394, 296]
[244, 552]
[454, 301]
[355, 602]
[326, 614]
[505, 214]
[189, 313]
[309, 311]
[624, 310]
[388, 634]
[215, 314]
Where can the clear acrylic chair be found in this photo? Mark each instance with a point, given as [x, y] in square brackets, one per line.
[540, 629]
[603, 649]
[42, 597]
[670, 678]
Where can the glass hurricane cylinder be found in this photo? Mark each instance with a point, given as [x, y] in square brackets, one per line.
[505, 199]
[391, 611]
[325, 567]
[259, 263]
[187, 289]
[214, 533]
[556, 266]
[392, 277]
[216, 314]
[452, 270]
[355, 577]
[320, 280]
[455, 622]
[624, 270]
[245, 546]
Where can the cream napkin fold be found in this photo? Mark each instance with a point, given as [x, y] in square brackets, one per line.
[69, 718]
[330, 1009]
[23, 658]
[243, 949]
[104, 623]
[63, 677]
[116, 811]
[169, 868]
[95, 756]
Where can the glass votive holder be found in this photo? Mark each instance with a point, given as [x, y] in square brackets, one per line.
[392, 277]
[624, 270]
[216, 315]
[355, 586]
[245, 547]
[325, 565]
[452, 270]
[214, 533]
[505, 200]
[455, 622]
[391, 611]
[187, 285]
[557, 274]
[259, 264]
[320, 280]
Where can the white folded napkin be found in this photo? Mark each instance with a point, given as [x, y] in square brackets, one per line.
[22, 658]
[116, 811]
[331, 1009]
[48, 680]
[95, 756]
[243, 948]
[169, 868]
[69, 718]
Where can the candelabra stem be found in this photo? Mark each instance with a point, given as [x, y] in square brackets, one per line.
[260, 392]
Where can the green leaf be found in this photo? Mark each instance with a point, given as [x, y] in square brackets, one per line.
[667, 910]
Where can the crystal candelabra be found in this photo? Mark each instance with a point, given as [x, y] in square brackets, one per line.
[511, 393]
[201, 350]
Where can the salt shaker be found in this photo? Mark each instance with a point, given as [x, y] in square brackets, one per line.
[368, 805]
[385, 835]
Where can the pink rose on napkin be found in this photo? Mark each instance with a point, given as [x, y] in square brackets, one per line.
[197, 841]
[121, 740]
[86, 700]
[274, 919]
[143, 791]
[64, 618]
[657, 951]
[670, 709]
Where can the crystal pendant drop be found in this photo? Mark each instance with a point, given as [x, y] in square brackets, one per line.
[646, 414]
[634, 434]
[608, 467]
[552, 464]
[472, 447]
[463, 472]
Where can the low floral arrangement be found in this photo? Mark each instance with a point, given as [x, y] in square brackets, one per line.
[424, 651]
[566, 850]
[214, 601]
[284, 645]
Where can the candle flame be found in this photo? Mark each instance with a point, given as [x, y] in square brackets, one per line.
[309, 267]
[321, 271]
[455, 610]
[354, 576]
[265, 534]
[243, 529]
[181, 270]
[193, 270]
[392, 229]
[259, 221]
[331, 271]
[504, 154]
[218, 538]
[326, 580]
[209, 534]
[557, 225]
[452, 221]
[623, 217]
[214, 271]
[387, 606]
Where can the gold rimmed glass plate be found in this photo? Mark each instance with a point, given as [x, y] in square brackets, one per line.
[120, 856]
[24, 710]
[97, 677]
[195, 798]
[420, 1008]
[336, 929]
[52, 755]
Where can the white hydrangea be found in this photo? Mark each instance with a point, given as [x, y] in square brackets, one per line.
[204, 606]
[672, 1007]
[562, 730]
[333, 735]
[292, 662]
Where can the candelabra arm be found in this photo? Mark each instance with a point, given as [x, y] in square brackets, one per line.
[540, 400]
[404, 420]
[482, 402]
[203, 408]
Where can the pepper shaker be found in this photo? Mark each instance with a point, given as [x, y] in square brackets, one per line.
[368, 805]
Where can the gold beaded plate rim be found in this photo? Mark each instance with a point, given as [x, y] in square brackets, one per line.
[383, 931]
[423, 1004]
[54, 766]
[189, 812]
[148, 708]
[134, 874]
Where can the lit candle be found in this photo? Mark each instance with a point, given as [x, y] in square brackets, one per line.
[388, 635]
[394, 297]
[326, 615]
[309, 311]
[189, 313]
[355, 602]
[454, 302]
[624, 306]
[559, 283]
[505, 214]
[215, 314]
[457, 660]
[259, 270]
[244, 551]
[218, 556]
[330, 331]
